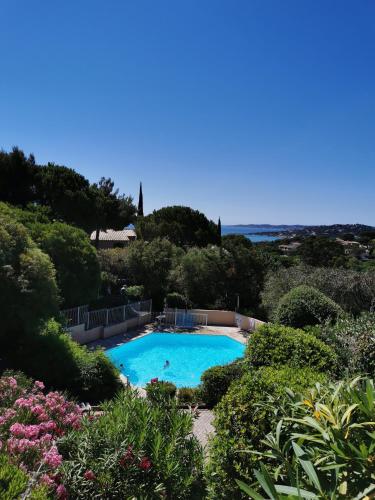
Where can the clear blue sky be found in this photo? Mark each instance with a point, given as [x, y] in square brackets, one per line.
[258, 111]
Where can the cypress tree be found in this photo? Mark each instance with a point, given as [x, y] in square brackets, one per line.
[140, 201]
[219, 230]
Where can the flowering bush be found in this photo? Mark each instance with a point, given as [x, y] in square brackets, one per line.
[31, 422]
[133, 450]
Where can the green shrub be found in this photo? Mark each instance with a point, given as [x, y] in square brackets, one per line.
[52, 356]
[14, 483]
[189, 395]
[135, 292]
[160, 391]
[354, 342]
[243, 418]
[134, 450]
[175, 299]
[324, 447]
[305, 305]
[216, 381]
[281, 345]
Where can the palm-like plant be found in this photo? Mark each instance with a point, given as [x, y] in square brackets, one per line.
[323, 448]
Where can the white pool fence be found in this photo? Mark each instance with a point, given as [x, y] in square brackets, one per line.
[105, 317]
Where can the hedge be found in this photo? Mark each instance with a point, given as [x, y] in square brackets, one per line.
[274, 345]
[216, 381]
[305, 305]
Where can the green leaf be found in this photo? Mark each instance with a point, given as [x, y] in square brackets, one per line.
[307, 466]
[297, 492]
[249, 491]
[266, 482]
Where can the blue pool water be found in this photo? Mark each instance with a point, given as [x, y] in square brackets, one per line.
[189, 356]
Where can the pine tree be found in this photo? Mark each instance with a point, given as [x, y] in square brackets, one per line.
[140, 201]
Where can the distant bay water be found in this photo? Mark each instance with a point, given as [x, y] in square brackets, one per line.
[253, 233]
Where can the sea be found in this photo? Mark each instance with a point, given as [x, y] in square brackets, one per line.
[253, 233]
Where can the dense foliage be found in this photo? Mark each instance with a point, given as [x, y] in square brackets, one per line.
[241, 423]
[273, 345]
[133, 450]
[74, 258]
[182, 226]
[28, 287]
[217, 380]
[86, 374]
[323, 445]
[353, 290]
[354, 342]
[305, 305]
[322, 252]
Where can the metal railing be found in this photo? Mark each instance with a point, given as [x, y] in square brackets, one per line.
[185, 318]
[75, 316]
[106, 317]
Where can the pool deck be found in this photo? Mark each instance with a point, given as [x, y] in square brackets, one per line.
[122, 338]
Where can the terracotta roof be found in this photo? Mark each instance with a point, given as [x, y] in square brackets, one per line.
[111, 235]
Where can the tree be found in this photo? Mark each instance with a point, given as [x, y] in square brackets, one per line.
[28, 287]
[75, 260]
[200, 277]
[140, 202]
[219, 230]
[183, 226]
[111, 211]
[17, 177]
[322, 251]
[148, 264]
[66, 192]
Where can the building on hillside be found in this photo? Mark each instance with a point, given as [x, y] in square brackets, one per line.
[354, 248]
[114, 239]
[289, 248]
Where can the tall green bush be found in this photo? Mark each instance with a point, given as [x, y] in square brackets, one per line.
[133, 450]
[305, 305]
[243, 418]
[272, 345]
[28, 287]
[217, 380]
[52, 356]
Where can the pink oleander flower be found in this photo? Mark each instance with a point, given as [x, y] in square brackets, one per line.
[17, 429]
[61, 492]
[52, 457]
[12, 382]
[145, 463]
[47, 480]
[8, 415]
[39, 385]
[154, 380]
[89, 475]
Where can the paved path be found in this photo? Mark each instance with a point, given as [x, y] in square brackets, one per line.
[203, 426]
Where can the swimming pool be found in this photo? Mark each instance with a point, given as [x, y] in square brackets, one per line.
[189, 355]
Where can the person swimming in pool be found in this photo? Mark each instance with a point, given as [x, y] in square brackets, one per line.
[166, 364]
